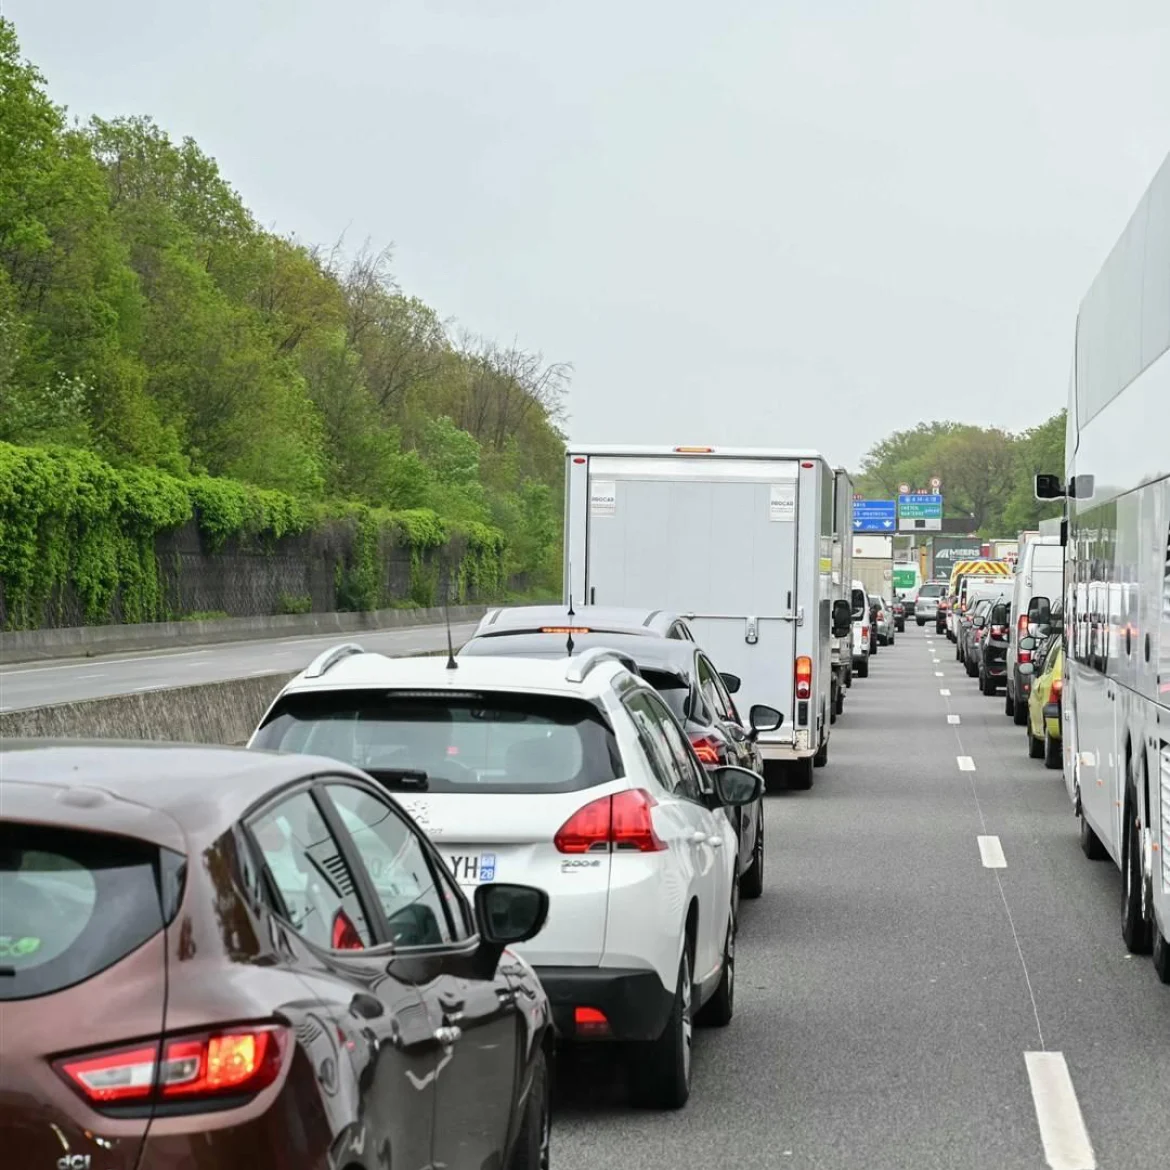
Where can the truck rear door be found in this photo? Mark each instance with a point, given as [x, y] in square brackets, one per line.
[712, 537]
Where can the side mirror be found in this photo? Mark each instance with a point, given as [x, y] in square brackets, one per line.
[1025, 668]
[979, 622]
[1039, 609]
[1028, 643]
[731, 682]
[733, 787]
[1048, 487]
[1080, 487]
[842, 618]
[763, 718]
[507, 914]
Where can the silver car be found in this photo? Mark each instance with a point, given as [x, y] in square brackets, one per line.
[926, 603]
[885, 619]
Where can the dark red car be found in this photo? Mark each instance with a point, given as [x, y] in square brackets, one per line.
[224, 958]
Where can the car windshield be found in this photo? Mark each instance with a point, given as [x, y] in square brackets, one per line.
[452, 742]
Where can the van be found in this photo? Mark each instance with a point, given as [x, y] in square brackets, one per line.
[1037, 590]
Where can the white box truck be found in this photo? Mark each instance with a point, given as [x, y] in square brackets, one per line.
[873, 564]
[739, 541]
[842, 648]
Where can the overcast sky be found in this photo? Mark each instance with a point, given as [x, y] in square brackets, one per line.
[775, 222]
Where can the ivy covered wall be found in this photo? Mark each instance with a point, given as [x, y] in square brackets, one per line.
[85, 543]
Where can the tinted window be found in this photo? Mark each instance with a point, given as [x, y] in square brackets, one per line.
[398, 866]
[72, 904]
[712, 690]
[674, 690]
[305, 863]
[687, 769]
[654, 744]
[858, 602]
[462, 743]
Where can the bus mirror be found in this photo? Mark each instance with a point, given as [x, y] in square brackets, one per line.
[1080, 487]
[842, 618]
[1039, 609]
[1048, 487]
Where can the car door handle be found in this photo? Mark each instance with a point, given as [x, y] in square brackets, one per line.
[448, 1034]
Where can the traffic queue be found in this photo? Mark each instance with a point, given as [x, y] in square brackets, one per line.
[442, 871]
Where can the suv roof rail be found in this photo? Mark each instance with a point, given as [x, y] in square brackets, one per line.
[330, 658]
[584, 662]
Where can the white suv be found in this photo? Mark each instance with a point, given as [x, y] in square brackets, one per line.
[574, 776]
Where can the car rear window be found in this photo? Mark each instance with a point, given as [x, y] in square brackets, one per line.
[858, 602]
[932, 591]
[73, 903]
[672, 688]
[452, 741]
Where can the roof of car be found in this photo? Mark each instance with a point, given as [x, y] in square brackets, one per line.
[653, 653]
[200, 788]
[609, 617]
[489, 673]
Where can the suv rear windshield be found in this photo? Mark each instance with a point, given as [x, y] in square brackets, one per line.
[72, 904]
[452, 741]
[932, 590]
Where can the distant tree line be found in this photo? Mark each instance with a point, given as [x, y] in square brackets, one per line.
[986, 472]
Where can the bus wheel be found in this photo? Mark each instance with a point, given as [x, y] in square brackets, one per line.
[1135, 926]
[1161, 956]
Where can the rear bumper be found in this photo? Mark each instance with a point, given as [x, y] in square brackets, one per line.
[635, 1003]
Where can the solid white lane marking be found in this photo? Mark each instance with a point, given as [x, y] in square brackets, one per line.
[991, 853]
[944, 691]
[1062, 1127]
[966, 763]
[952, 719]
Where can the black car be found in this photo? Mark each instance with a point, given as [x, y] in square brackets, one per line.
[695, 691]
[993, 627]
[288, 972]
[965, 631]
[898, 607]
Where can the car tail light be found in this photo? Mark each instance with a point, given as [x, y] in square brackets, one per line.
[804, 677]
[706, 749]
[203, 1065]
[621, 821]
[345, 936]
[864, 632]
[1000, 632]
[1056, 690]
[590, 1022]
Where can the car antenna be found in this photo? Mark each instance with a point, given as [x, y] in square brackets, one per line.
[451, 663]
[569, 647]
[571, 613]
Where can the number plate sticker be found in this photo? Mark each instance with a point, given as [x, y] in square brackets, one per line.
[473, 868]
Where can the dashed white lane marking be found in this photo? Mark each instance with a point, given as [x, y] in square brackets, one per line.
[952, 719]
[991, 853]
[938, 674]
[944, 691]
[1062, 1127]
[966, 763]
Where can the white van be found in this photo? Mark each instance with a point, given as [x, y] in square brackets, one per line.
[1038, 588]
[859, 604]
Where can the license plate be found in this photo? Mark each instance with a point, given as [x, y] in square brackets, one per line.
[470, 869]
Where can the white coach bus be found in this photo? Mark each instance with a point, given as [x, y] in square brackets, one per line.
[1116, 702]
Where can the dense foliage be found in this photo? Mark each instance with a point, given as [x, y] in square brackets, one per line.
[146, 318]
[986, 473]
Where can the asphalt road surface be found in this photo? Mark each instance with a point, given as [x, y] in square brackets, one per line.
[901, 1005]
[72, 680]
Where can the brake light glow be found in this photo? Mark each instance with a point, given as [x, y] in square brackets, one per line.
[694, 450]
[804, 677]
[200, 1065]
[590, 1022]
[1056, 690]
[999, 631]
[706, 749]
[344, 936]
[565, 630]
[864, 632]
[619, 822]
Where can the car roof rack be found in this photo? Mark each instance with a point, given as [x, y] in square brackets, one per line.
[330, 658]
[584, 662]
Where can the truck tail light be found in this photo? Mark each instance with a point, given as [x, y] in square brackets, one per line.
[804, 677]
[621, 821]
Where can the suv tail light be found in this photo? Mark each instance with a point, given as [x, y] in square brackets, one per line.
[197, 1066]
[621, 821]
[804, 675]
[865, 633]
[706, 749]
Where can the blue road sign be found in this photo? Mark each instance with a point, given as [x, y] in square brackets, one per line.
[920, 506]
[874, 516]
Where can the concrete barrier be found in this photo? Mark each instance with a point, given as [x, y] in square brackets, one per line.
[89, 641]
[220, 712]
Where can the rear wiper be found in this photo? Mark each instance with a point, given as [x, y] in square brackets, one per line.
[401, 778]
